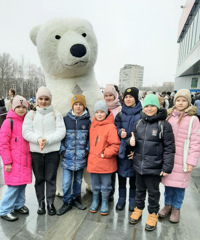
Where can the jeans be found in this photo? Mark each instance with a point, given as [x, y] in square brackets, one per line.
[101, 182]
[14, 198]
[67, 184]
[148, 183]
[174, 196]
[45, 170]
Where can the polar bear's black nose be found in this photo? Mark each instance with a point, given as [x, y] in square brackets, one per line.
[78, 50]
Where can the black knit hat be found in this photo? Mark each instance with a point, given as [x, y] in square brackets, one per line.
[133, 91]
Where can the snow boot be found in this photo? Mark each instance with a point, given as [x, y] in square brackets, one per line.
[164, 212]
[135, 216]
[131, 200]
[95, 202]
[175, 215]
[104, 203]
[121, 200]
[151, 222]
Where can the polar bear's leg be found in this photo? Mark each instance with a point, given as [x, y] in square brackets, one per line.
[87, 179]
[59, 191]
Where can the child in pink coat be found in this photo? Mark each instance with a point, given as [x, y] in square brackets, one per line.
[176, 182]
[16, 158]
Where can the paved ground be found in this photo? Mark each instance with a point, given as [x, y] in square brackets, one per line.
[83, 225]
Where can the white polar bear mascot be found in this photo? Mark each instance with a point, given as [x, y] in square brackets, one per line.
[68, 50]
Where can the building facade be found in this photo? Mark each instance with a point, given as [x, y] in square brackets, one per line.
[188, 65]
[131, 76]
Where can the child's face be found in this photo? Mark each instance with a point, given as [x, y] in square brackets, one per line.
[43, 102]
[78, 108]
[20, 110]
[150, 110]
[129, 101]
[100, 115]
[181, 104]
[109, 97]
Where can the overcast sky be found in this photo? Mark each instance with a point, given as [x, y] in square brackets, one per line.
[142, 32]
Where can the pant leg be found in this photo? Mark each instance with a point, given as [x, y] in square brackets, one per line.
[20, 201]
[132, 181]
[113, 178]
[39, 172]
[106, 183]
[51, 166]
[122, 182]
[178, 197]
[96, 182]
[140, 192]
[152, 183]
[66, 185]
[8, 202]
[168, 195]
[77, 183]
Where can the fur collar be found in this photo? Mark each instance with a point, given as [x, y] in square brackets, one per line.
[190, 111]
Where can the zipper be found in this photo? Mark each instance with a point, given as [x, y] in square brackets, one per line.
[143, 148]
[75, 143]
[96, 141]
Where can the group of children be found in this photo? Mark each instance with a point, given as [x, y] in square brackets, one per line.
[145, 146]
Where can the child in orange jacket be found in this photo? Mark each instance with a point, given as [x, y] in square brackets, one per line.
[102, 162]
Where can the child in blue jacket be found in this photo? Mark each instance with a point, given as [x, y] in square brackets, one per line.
[74, 149]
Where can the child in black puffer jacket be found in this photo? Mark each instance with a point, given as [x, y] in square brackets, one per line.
[154, 149]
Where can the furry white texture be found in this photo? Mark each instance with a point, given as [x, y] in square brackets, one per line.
[68, 51]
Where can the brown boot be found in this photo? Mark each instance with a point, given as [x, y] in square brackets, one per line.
[135, 216]
[165, 211]
[175, 215]
[151, 222]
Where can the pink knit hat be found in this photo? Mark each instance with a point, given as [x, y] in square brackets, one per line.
[18, 101]
[111, 89]
[43, 91]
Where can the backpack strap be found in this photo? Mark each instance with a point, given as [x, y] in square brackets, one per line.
[11, 124]
[138, 123]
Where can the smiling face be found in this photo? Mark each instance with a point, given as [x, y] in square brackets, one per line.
[20, 110]
[78, 108]
[109, 97]
[129, 101]
[43, 102]
[100, 115]
[181, 104]
[150, 110]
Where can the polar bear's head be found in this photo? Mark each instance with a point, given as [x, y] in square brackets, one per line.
[66, 47]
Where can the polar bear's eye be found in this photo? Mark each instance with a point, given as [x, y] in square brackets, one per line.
[84, 34]
[57, 37]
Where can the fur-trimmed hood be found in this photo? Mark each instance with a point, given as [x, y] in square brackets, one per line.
[190, 111]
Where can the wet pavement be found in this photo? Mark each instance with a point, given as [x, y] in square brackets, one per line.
[83, 225]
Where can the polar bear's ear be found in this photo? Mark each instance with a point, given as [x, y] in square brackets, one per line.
[34, 33]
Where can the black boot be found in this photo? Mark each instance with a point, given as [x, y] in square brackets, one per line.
[41, 209]
[78, 204]
[121, 200]
[65, 207]
[51, 209]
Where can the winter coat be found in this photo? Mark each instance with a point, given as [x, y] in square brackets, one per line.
[44, 123]
[103, 139]
[153, 154]
[129, 116]
[178, 178]
[14, 150]
[75, 145]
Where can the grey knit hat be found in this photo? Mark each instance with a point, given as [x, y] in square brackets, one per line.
[101, 105]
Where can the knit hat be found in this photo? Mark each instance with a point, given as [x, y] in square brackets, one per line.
[78, 98]
[101, 105]
[43, 91]
[183, 93]
[111, 89]
[151, 99]
[18, 101]
[133, 91]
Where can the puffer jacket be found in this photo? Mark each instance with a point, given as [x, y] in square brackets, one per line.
[44, 123]
[129, 116]
[75, 145]
[14, 149]
[153, 154]
[103, 139]
[178, 178]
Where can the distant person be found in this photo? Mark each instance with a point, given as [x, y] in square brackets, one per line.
[11, 94]
[44, 129]
[197, 104]
[74, 149]
[175, 183]
[16, 158]
[3, 111]
[151, 165]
